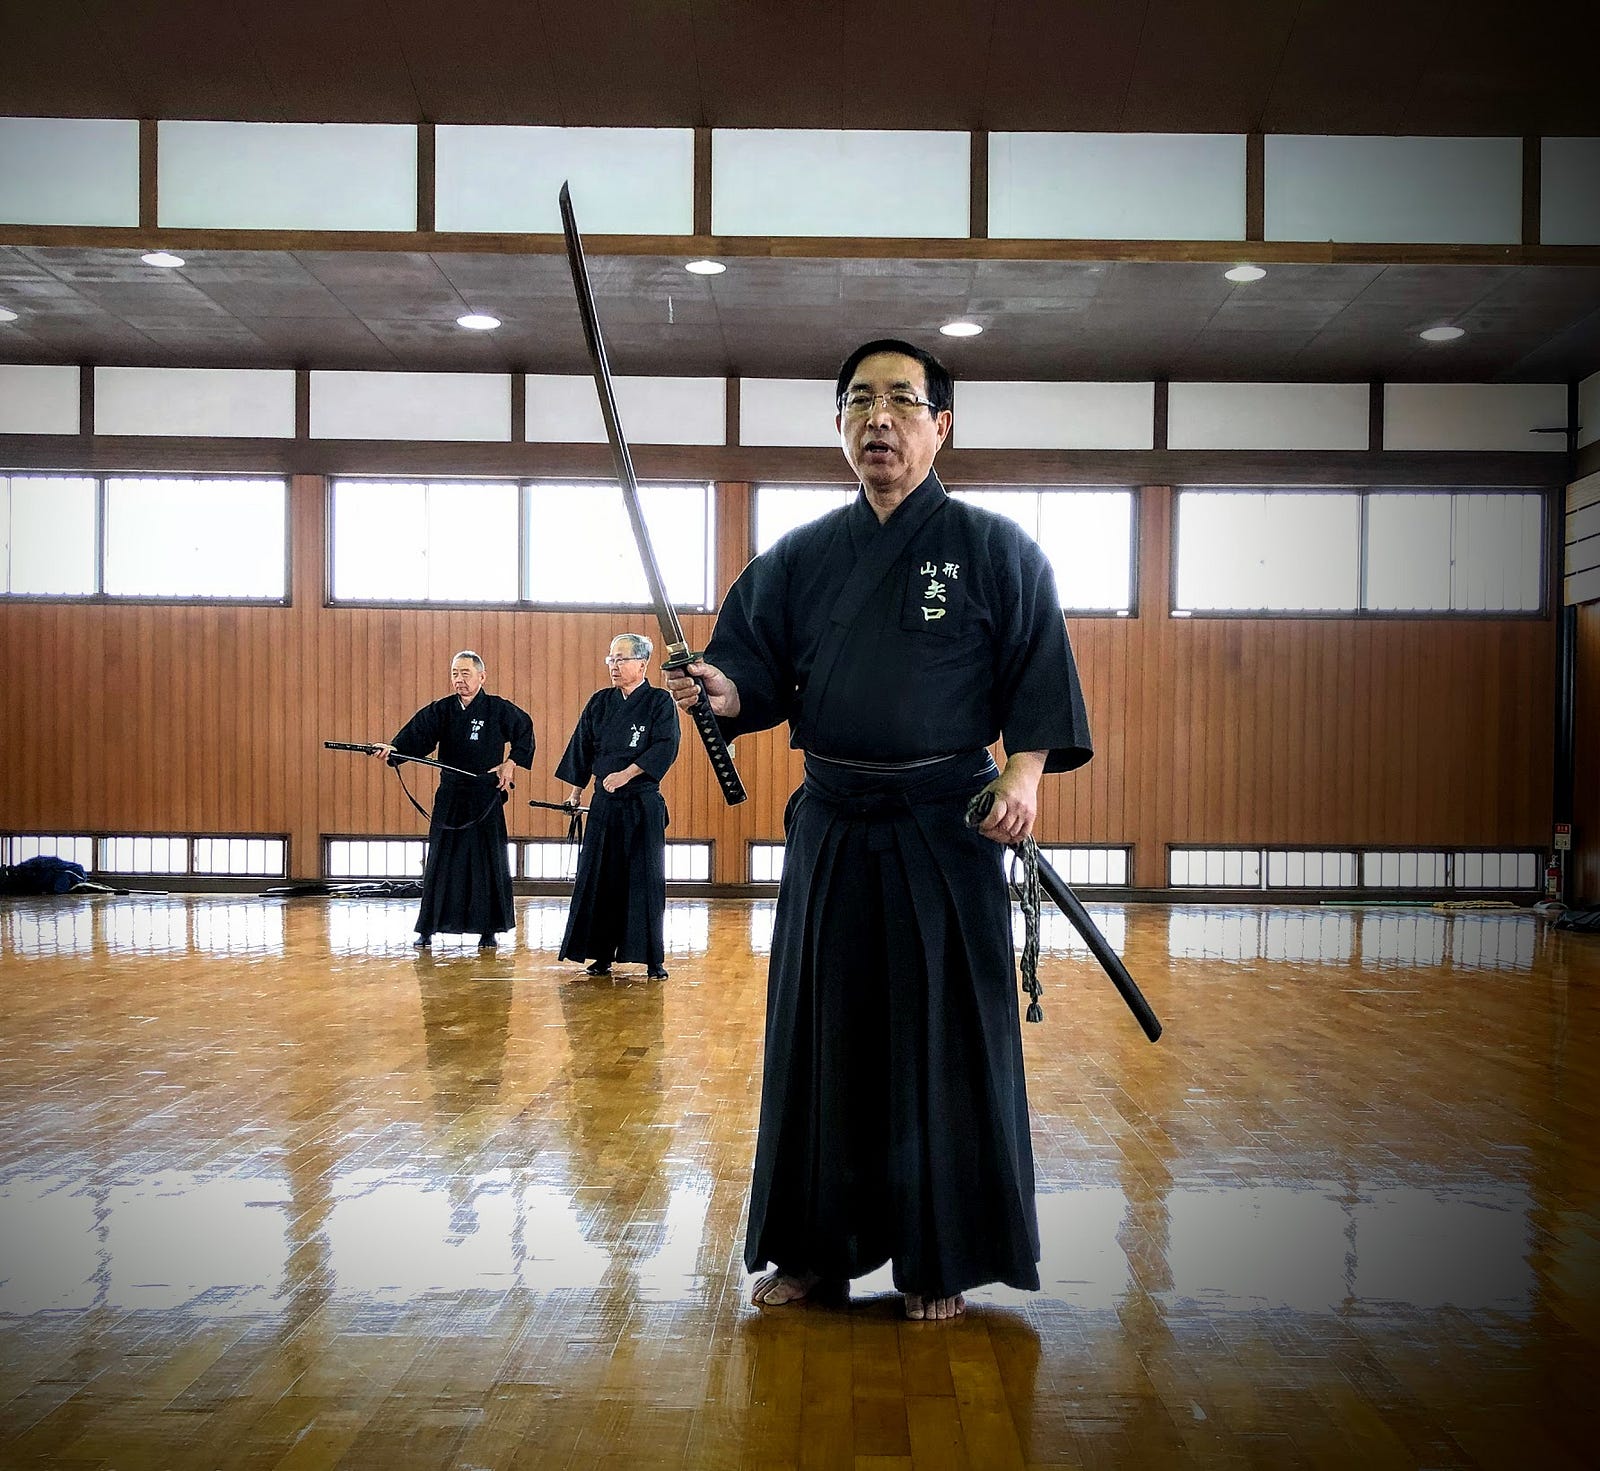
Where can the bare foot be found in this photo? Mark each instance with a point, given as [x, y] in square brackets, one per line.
[778, 1288]
[928, 1308]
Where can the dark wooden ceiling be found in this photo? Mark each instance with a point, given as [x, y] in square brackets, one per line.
[1317, 66]
[1234, 66]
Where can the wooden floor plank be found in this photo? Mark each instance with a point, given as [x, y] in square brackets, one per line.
[277, 1192]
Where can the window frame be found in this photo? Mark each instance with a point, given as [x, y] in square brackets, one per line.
[1364, 493]
[101, 598]
[521, 603]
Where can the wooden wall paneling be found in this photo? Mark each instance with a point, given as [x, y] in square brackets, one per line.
[1583, 872]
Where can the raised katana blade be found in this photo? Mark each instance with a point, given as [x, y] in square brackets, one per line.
[678, 653]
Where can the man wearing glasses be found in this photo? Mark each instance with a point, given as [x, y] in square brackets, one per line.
[899, 637]
[626, 739]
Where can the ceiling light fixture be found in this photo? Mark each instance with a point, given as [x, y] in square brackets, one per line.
[7, 315]
[162, 258]
[961, 329]
[1245, 273]
[478, 322]
[705, 268]
[1442, 334]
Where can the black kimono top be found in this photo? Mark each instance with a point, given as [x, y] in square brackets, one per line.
[470, 736]
[616, 731]
[935, 632]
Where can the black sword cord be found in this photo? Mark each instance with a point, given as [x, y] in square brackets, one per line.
[446, 827]
[369, 748]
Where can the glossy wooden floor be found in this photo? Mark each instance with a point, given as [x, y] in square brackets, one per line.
[275, 1191]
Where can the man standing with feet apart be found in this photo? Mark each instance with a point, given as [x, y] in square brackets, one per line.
[627, 739]
[899, 637]
[466, 886]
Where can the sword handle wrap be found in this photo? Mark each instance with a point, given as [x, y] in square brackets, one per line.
[705, 722]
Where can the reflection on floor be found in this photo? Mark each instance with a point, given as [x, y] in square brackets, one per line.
[276, 1190]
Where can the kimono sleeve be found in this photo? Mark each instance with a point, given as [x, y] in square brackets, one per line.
[519, 732]
[661, 742]
[751, 646]
[420, 734]
[1037, 695]
[577, 761]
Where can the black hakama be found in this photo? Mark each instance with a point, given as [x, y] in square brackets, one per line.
[619, 893]
[466, 883]
[894, 1119]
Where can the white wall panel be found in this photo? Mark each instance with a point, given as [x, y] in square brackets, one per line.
[625, 181]
[565, 409]
[1486, 416]
[1569, 192]
[222, 402]
[797, 411]
[287, 176]
[823, 182]
[38, 400]
[1267, 415]
[69, 171]
[444, 406]
[1116, 186]
[1055, 415]
[1589, 410]
[1446, 191]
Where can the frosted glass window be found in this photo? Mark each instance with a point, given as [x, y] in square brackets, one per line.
[549, 860]
[74, 849]
[581, 548]
[781, 508]
[263, 857]
[1310, 869]
[1494, 870]
[144, 855]
[1089, 867]
[1087, 535]
[196, 538]
[688, 863]
[375, 858]
[424, 541]
[766, 863]
[48, 526]
[1215, 868]
[1380, 870]
[1276, 551]
[1470, 551]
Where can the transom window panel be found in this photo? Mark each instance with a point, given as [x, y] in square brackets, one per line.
[1089, 867]
[1404, 870]
[1492, 870]
[781, 508]
[544, 858]
[188, 538]
[48, 531]
[581, 550]
[1463, 551]
[1086, 534]
[1264, 551]
[424, 541]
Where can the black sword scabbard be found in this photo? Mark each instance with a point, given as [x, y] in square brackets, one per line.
[678, 655]
[1099, 947]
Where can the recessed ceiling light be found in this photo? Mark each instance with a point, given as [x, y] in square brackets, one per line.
[162, 258]
[478, 322]
[705, 268]
[1245, 273]
[1442, 334]
[961, 329]
[7, 315]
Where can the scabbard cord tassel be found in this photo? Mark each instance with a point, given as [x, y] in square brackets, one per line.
[1027, 891]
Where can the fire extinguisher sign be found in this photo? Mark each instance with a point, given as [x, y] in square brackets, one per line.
[1562, 842]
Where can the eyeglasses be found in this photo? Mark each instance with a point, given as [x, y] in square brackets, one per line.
[900, 401]
[624, 658]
